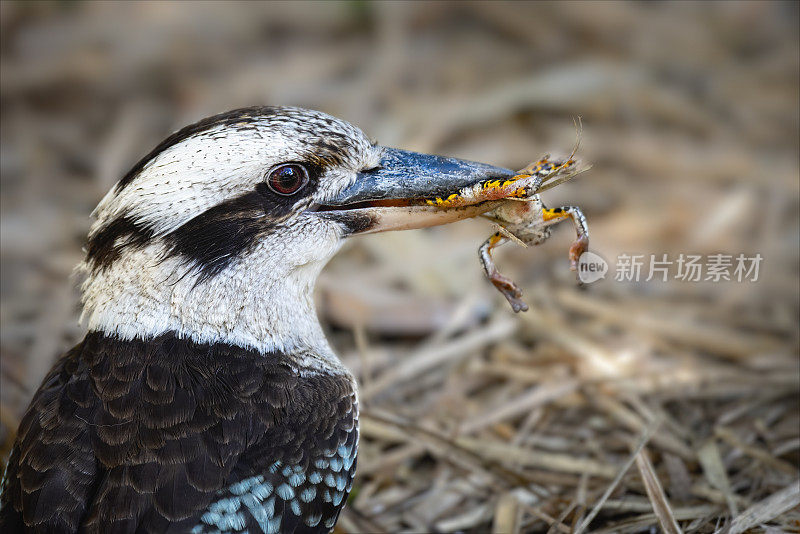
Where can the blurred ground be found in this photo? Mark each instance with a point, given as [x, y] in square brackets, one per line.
[583, 414]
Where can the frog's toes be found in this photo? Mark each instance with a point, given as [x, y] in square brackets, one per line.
[517, 305]
[510, 291]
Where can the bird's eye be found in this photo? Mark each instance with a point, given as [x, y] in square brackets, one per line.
[287, 179]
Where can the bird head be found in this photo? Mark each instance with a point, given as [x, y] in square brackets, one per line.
[219, 233]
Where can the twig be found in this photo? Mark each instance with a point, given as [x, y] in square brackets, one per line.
[767, 509]
[656, 494]
[648, 433]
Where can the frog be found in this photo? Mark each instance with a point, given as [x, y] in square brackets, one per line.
[520, 215]
[523, 218]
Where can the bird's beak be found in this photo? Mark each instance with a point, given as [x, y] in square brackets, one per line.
[411, 190]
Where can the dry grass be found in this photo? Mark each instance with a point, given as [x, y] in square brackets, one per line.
[619, 407]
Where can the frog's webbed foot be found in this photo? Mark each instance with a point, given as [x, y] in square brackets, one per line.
[505, 285]
[579, 246]
[510, 291]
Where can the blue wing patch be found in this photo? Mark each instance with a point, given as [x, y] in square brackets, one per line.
[286, 498]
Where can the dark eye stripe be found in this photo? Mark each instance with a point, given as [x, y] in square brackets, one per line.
[105, 246]
[210, 241]
[216, 237]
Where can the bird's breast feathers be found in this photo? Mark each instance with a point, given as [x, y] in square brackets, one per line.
[167, 434]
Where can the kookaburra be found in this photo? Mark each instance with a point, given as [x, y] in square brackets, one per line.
[205, 397]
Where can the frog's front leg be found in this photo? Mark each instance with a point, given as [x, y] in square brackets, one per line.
[505, 285]
[581, 244]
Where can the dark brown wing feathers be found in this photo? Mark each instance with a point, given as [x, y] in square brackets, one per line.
[135, 436]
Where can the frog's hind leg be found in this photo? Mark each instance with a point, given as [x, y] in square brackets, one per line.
[505, 285]
[581, 244]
